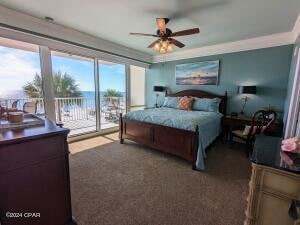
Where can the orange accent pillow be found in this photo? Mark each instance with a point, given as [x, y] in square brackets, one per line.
[186, 103]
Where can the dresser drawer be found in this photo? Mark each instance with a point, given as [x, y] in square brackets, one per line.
[281, 182]
[19, 155]
[30, 188]
[273, 211]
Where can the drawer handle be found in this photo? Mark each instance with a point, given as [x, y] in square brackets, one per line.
[293, 209]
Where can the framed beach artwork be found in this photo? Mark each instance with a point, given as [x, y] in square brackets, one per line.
[199, 73]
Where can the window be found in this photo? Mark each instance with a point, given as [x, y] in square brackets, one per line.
[112, 82]
[137, 88]
[20, 76]
[84, 93]
[74, 92]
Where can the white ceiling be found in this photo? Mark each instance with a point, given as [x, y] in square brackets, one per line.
[219, 21]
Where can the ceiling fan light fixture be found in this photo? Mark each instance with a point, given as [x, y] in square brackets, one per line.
[170, 48]
[164, 44]
[156, 47]
[163, 47]
[162, 50]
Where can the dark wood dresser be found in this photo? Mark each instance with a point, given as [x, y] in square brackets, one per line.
[34, 176]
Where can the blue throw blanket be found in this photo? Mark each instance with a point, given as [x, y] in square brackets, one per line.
[208, 123]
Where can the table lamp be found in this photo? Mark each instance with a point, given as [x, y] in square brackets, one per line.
[158, 89]
[246, 90]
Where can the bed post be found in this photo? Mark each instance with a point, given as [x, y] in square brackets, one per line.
[121, 129]
[196, 145]
[166, 92]
[225, 104]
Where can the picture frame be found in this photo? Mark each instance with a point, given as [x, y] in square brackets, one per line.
[198, 73]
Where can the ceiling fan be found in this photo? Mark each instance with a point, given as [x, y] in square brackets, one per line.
[165, 40]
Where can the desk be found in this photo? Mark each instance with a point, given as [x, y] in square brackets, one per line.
[228, 122]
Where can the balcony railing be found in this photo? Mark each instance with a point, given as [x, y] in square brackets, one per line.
[76, 108]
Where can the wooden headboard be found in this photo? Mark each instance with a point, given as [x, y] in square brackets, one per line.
[202, 94]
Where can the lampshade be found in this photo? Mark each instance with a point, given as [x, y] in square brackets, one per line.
[159, 88]
[247, 90]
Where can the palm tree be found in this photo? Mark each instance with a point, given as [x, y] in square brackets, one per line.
[112, 98]
[64, 86]
[112, 93]
[34, 89]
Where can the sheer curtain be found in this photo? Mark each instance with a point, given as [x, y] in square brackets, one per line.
[293, 119]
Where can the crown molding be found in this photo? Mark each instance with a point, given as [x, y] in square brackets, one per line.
[16, 19]
[27, 22]
[296, 29]
[268, 41]
[230, 47]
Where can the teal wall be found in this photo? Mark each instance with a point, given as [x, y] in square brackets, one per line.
[267, 68]
[291, 78]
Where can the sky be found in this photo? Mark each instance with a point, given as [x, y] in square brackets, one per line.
[17, 67]
[111, 76]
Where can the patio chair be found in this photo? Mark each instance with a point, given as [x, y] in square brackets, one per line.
[5, 110]
[2, 112]
[14, 105]
[30, 107]
[111, 109]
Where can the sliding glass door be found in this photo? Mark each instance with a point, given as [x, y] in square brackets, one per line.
[84, 93]
[112, 83]
[74, 90]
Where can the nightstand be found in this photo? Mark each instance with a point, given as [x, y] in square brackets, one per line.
[229, 122]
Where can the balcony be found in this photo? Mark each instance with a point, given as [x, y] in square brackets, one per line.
[78, 113]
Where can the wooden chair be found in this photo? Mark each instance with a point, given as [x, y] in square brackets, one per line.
[261, 121]
[30, 107]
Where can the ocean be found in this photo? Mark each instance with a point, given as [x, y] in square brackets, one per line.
[196, 81]
[19, 94]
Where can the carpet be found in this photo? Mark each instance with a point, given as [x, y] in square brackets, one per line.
[129, 184]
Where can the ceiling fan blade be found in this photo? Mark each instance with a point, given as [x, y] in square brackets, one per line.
[161, 24]
[153, 43]
[142, 34]
[185, 32]
[177, 43]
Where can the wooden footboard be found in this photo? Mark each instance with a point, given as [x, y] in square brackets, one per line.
[175, 141]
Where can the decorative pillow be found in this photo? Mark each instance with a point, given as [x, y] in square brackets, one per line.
[247, 130]
[171, 102]
[186, 103]
[207, 104]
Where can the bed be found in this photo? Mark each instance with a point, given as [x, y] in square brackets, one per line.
[182, 133]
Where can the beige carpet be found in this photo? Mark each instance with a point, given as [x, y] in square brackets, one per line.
[115, 184]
